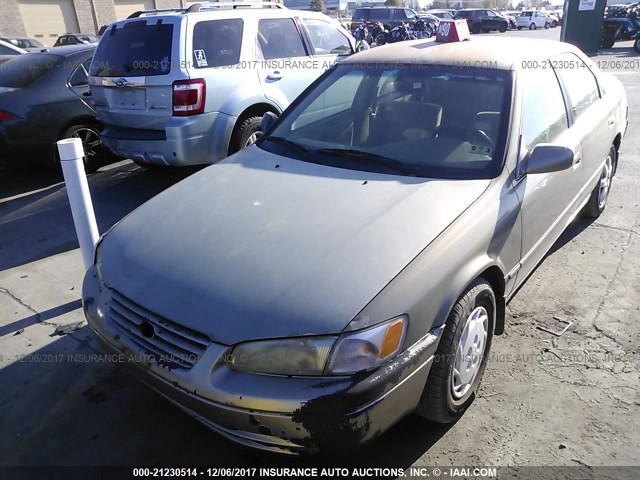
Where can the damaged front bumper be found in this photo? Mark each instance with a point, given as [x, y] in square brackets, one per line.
[271, 412]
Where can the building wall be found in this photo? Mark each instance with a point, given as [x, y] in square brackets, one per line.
[10, 22]
[91, 14]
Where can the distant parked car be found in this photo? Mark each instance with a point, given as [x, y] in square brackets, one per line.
[532, 19]
[441, 14]
[41, 102]
[483, 20]
[390, 17]
[191, 87]
[28, 44]
[75, 39]
[9, 51]
[553, 18]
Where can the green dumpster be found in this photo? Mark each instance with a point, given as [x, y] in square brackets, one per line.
[582, 25]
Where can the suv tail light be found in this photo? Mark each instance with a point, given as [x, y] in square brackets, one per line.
[8, 116]
[188, 97]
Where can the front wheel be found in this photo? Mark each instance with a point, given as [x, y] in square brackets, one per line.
[636, 44]
[461, 357]
[519, 28]
[547, 25]
[554, 24]
[503, 28]
[600, 194]
[533, 26]
[381, 39]
[475, 28]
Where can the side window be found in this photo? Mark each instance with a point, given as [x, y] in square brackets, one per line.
[579, 81]
[490, 14]
[544, 113]
[398, 14]
[409, 14]
[79, 76]
[217, 43]
[279, 38]
[325, 38]
[62, 41]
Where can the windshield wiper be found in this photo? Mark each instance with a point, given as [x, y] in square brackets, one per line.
[289, 143]
[372, 158]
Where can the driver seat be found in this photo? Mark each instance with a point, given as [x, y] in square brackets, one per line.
[405, 120]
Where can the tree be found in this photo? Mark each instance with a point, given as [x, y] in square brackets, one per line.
[394, 3]
[317, 5]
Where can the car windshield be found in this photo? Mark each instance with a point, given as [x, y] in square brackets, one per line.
[420, 120]
[88, 38]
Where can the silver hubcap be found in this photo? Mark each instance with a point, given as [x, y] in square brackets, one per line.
[252, 139]
[90, 141]
[605, 181]
[469, 352]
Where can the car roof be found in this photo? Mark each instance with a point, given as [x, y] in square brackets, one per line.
[224, 13]
[490, 51]
[67, 50]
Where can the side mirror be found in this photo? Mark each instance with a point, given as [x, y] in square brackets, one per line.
[268, 119]
[547, 158]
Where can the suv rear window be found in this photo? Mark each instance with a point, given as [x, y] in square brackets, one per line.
[216, 43]
[135, 49]
[22, 71]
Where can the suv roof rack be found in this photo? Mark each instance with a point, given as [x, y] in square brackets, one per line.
[214, 5]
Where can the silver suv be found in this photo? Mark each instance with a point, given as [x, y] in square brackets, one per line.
[190, 86]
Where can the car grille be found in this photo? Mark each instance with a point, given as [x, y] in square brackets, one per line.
[168, 342]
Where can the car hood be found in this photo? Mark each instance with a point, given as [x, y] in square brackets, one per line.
[263, 246]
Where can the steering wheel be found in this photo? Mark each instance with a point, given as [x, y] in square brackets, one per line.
[465, 133]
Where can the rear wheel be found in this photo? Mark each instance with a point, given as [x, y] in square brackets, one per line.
[94, 151]
[607, 41]
[600, 194]
[381, 39]
[547, 25]
[554, 24]
[519, 28]
[461, 357]
[532, 26]
[636, 44]
[246, 133]
[475, 28]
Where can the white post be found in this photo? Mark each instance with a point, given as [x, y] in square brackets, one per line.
[75, 178]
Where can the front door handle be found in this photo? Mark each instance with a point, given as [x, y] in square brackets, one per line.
[610, 122]
[577, 160]
[274, 76]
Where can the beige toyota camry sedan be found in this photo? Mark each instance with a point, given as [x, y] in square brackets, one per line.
[352, 267]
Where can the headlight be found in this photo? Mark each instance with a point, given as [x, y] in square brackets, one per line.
[368, 348]
[97, 259]
[352, 352]
[290, 356]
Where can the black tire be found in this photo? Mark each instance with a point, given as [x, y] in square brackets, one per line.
[636, 44]
[533, 26]
[554, 24]
[95, 152]
[547, 26]
[245, 133]
[503, 28]
[597, 202]
[475, 28]
[607, 41]
[381, 38]
[519, 28]
[152, 166]
[438, 402]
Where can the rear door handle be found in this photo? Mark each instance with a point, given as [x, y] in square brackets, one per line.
[274, 76]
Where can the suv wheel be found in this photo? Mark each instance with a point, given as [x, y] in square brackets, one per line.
[461, 357]
[532, 26]
[247, 133]
[475, 28]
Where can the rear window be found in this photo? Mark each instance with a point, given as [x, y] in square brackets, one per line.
[525, 14]
[136, 49]
[463, 14]
[22, 71]
[217, 43]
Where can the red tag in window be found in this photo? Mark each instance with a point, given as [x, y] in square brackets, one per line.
[453, 31]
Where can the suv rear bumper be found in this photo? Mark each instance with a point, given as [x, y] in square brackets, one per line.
[196, 140]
